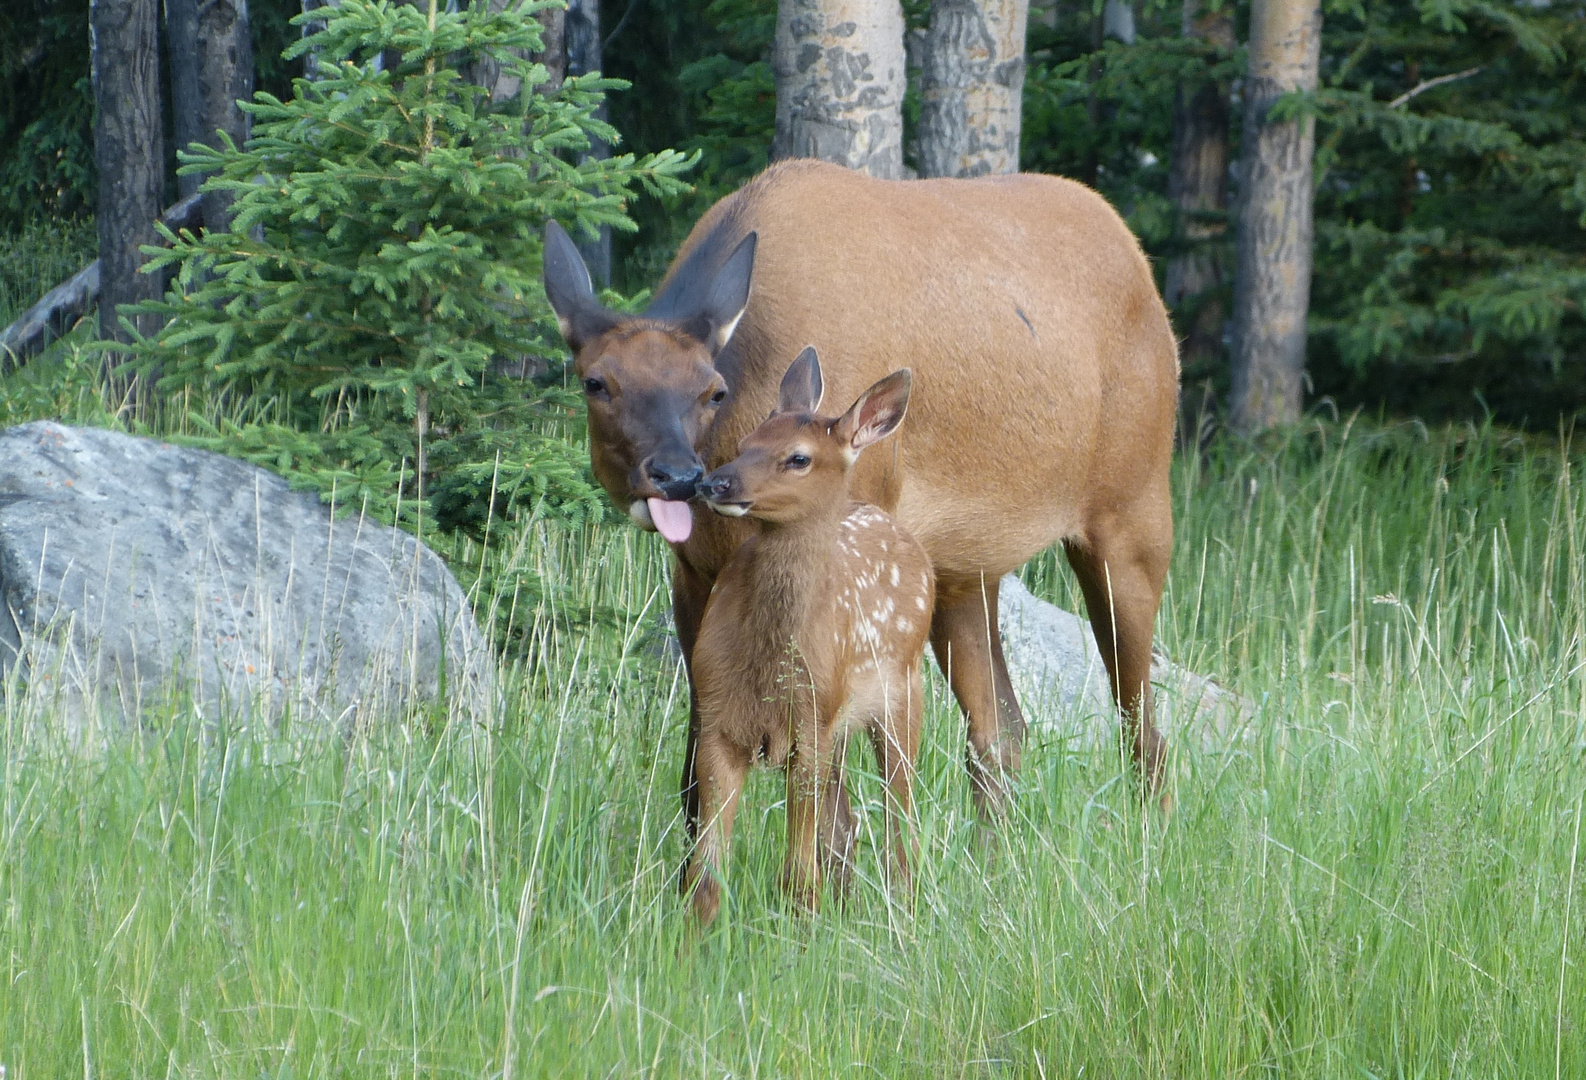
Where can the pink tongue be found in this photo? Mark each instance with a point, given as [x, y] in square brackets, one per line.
[673, 520]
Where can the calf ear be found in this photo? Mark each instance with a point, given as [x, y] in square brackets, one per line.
[802, 386]
[570, 291]
[877, 413]
[718, 317]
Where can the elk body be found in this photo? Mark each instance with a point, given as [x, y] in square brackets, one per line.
[1045, 388]
[816, 626]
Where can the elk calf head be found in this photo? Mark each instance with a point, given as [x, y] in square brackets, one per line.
[797, 463]
[650, 380]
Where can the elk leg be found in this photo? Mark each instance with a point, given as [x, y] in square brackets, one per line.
[721, 771]
[808, 786]
[968, 648]
[896, 738]
[835, 828]
[1122, 582]
[690, 590]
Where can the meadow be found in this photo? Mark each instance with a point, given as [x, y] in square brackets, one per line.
[1377, 874]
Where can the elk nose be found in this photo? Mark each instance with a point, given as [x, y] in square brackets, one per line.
[715, 487]
[676, 482]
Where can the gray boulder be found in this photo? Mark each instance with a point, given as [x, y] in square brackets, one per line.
[136, 574]
[1062, 683]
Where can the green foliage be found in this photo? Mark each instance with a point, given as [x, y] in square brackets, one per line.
[1451, 224]
[46, 111]
[705, 71]
[37, 256]
[385, 255]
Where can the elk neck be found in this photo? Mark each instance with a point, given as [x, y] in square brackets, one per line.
[792, 560]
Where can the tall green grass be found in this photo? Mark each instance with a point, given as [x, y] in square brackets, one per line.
[1377, 876]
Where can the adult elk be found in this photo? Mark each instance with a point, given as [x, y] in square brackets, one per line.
[1045, 387]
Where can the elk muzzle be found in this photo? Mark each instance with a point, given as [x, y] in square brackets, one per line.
[723, 493]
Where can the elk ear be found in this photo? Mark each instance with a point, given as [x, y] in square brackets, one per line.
[877, 413]
[570, 291]
[718, 317]
[802, 386]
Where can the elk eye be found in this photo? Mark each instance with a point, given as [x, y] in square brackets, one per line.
[594, 386]
[798, 461]
[718, 397]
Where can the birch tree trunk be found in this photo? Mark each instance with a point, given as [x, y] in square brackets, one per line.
[584, 58]
[314, 26]
[1272, 274]
[211, 53]
[124, 37]
[1198, 185]
[840, 77]
[972, 87]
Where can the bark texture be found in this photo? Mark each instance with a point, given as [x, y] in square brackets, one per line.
[840, 77]
[127, 144]
[211, 53]
[584, 58]
[1272, 275]
[1198, 185]
[504, 86]
[971, 87]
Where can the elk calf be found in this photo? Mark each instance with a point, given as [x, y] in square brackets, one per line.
[815, 626]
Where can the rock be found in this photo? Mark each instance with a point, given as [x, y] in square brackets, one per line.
[138, 574]
[1062, 684]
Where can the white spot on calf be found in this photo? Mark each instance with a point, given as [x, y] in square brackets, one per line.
[894, 577]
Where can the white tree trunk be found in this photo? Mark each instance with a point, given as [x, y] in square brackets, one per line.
[971, 87]
[313, 26]
[840, 77]
[1117, 21]
[1272, 275]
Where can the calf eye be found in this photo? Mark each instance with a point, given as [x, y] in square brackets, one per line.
[718, 397]
[594, 386]
[798, 461]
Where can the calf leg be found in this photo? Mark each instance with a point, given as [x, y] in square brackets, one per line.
[835, 819]
[896, 737]
[968, 647]
[809, 791]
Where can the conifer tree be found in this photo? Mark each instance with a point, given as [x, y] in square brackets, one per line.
[385, 256]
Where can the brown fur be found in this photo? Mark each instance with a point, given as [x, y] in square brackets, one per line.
[815, 626]
[1046, 383]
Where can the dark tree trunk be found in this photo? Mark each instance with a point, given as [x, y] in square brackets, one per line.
[553, 54]
[1198, 185]
[840, 78]
[128, 136]
[583, 58]
[211, 53]
[1272, 274]
[971, 87]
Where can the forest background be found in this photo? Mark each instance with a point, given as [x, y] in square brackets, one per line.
[1450, 253]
